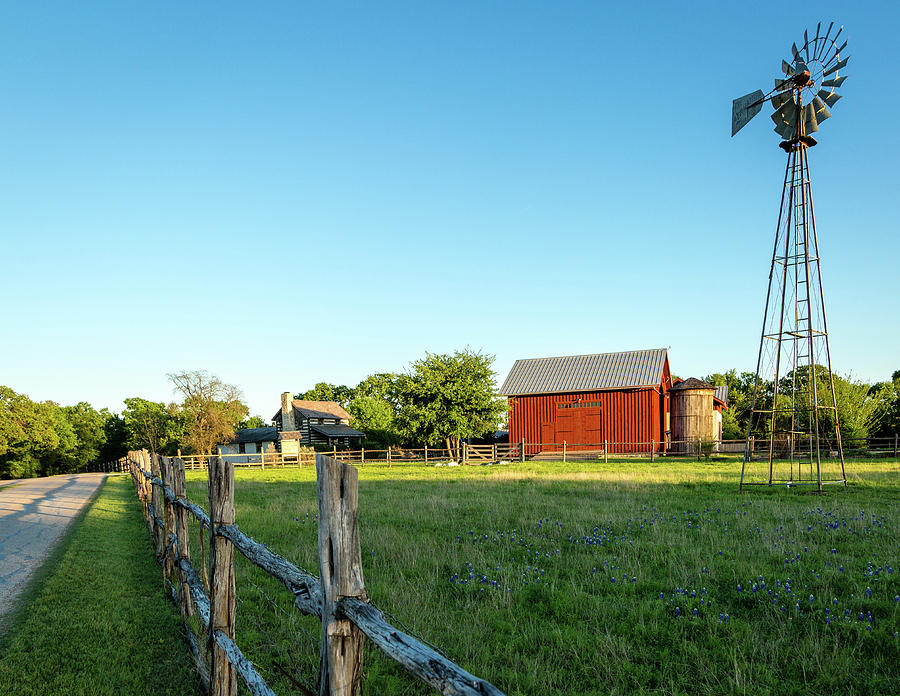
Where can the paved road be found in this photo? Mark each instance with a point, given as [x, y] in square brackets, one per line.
[34, 513]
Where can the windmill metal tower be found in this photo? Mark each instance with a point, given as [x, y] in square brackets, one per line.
[794, 406]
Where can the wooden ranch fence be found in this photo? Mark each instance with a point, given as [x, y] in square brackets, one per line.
[518, 451]
[340, 600]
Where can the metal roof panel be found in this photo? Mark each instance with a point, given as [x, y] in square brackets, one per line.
[574, 373]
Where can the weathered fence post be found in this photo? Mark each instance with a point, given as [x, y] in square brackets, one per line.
[388, 457]
[895, 445]
[362, 455]
[181, 532]
[426, 455]
[262, 457]
[222, 676]
[158, 497]
[334, 450]
[168, 516]
[652, 448]
[564, 451]
[494, 452]
[699, 446]
[465, 452]
[340, 571]
[606, 451]
[146, 487]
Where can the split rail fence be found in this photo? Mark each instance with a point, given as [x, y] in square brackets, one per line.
[522, 451]
[526, 451]
[338, 597]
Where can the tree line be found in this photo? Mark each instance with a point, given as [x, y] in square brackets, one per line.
[863, 410]
[440, 399]
[43, 438]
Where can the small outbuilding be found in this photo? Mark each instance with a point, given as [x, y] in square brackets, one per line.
[250, 441]
[618, 400]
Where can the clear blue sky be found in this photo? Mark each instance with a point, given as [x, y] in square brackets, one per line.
[287, 193]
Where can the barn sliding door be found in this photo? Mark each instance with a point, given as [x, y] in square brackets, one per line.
[579, 425]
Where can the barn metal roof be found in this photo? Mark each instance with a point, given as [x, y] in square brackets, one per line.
[722, 394]
[578, 373]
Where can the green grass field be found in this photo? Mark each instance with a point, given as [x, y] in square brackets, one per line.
[626, 577]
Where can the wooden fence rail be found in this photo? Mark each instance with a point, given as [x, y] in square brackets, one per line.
[342, 604]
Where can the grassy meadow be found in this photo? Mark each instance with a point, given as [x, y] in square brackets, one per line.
[626, 577]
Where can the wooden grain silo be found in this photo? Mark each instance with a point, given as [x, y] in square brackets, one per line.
[693, 415]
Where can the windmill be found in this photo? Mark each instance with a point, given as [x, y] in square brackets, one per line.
[794, 406]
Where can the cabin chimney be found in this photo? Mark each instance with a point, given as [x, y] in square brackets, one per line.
[287, 412]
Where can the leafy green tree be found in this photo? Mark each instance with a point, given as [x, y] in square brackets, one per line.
[252, 422]
[116, 435]
[323, 391]
[374, 409]
[383, 385]
[62, 458]
[449, 398]
[149, 425]
[90, 436]
[889, 425]
[29, 435]
[860, 406]
[740, 398]
[212, 409]
[376, 418]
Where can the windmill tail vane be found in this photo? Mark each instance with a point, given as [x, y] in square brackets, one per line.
[794, 432]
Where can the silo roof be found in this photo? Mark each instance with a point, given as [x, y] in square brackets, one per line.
[692, 383]
[580, 373]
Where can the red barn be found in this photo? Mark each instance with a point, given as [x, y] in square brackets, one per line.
[586, 400]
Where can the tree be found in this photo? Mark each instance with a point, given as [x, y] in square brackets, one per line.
[90, 436]
[449, 398]
[149, 425]
[889, 425]
[212, 409]
[62, 458]
[374, 408]
[252, 422]
[29, 435]
[860, 407]
[116, 434]
[376, 418]
[323, 391]
[740, 398]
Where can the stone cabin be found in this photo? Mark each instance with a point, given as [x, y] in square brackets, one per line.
[301, 422]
